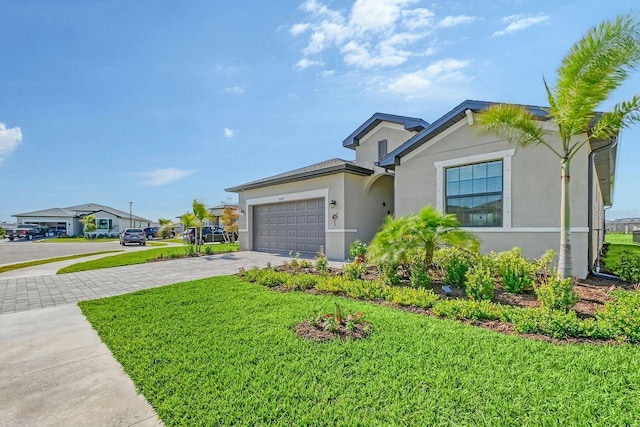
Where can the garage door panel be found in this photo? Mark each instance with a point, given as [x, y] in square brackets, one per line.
[291, 226]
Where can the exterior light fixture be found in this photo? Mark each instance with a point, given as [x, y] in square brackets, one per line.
[332, 204]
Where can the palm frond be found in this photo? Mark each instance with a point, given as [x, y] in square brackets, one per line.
[513, 123]
[622, 115]
[594, 67]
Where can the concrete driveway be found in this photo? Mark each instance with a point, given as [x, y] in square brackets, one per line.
[54, 370]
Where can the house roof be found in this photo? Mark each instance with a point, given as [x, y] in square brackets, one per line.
[327, 167]
[80, 210]
[409, 123]
[53, 212]
[605, 161]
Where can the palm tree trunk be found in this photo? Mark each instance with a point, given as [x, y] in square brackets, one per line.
[565, 267]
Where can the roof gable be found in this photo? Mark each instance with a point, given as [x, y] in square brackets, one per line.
[409, 123]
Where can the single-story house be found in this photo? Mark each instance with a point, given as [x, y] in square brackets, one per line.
[109, 221]
[507, 195]
[623, 225]
[217, 212]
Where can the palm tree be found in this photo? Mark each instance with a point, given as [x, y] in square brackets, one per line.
[592, 70]
[200, 213]
[401, 240]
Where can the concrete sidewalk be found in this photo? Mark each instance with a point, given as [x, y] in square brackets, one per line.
[54, 370]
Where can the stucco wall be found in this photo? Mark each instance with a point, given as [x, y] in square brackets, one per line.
[367, 151]
[535, 191]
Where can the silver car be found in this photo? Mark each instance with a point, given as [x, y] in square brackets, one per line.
[133, 235]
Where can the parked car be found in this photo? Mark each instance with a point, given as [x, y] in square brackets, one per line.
[157, 233]
[209, 234]
[151, 232]
[26, 231]
[133, 235]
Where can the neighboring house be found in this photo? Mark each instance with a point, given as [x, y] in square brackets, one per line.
[109, 221]
[507, 195]
[217, 212]
[623, 225]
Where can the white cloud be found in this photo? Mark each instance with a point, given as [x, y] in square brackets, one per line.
[305, 63]
[10, 139]
[519, 22]
[452, 21]
[159, 177]
[327, 73]
[234, 90]
[299, 28]
[439, 73]
[228, 133]
[373, 33]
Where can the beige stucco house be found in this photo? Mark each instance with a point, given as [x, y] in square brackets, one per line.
[509, 196]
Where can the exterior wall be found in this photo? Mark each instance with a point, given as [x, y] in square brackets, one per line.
[330, 187]
[533, 220]
[367, 151]
[370, 200]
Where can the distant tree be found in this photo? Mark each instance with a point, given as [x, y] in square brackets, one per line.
[230, 221]
[88, 224]
[592, 70]
[166, 228]
[200, 213]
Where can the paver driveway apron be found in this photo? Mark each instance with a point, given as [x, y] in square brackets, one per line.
[54, 370]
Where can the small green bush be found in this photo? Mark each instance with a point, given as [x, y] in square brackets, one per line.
[628, 269]
[418, 297]
[252, 274]
[479, 283]
[322, 265]
[556, 324]
[353, 270]
[209, 249]
[270, 278]
[517, 273]
[367, 289]
[467, 309]
[190, 249]
[389, 273]
[358, 250]
[621, 316]
[419, 276]
[301, 281]
[557, 294]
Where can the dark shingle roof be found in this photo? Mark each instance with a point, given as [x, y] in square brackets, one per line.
[409, 123]
[327, 167]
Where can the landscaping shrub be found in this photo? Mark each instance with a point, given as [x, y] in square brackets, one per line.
[556, 324]
[367, 289]
[353, 270]
[389, 273]
[358, 251]
[190, 249]
[209, 249]
[301, 281]
[455, 264]
[252, 274]
[424, 298]
[628, 268]
[479, 283]
[621, 316]
[517, 273]
[419, 275]
[322, 265]
[467, 309]
[557, 294]
[270, 278]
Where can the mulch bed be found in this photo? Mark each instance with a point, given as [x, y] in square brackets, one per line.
[318, 333]
[592, 291]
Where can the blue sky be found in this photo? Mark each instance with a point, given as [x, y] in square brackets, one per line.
[159, 103]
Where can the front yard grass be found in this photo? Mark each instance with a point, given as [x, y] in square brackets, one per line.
[618, 243]
[77, 240]
[139, 257]
[20, 265]
[220, 351]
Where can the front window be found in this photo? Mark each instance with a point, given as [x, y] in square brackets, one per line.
[474, 194]
[382, 149]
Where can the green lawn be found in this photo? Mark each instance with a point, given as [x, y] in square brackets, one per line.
[138, 257]
[221, 351]
[618, 243]
[77, 240]
[50, 260]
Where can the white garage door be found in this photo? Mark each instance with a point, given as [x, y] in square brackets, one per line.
[289, 227]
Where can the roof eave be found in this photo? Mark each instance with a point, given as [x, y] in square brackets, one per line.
[347, 168]
[409, 123]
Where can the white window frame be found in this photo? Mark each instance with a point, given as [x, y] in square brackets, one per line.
[505, 156]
